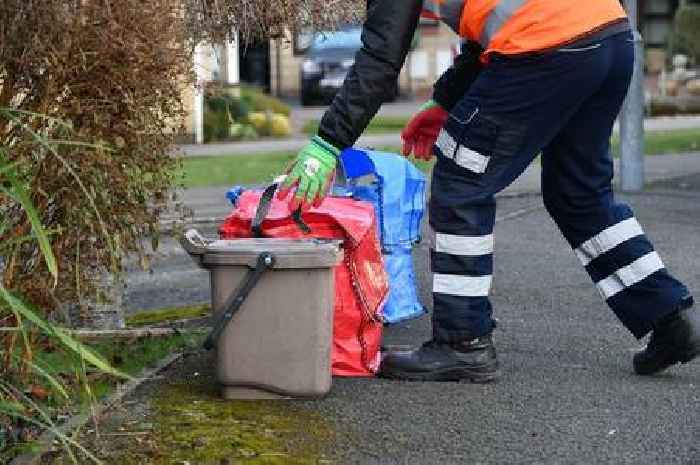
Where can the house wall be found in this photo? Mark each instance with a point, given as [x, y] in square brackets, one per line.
[218, 63]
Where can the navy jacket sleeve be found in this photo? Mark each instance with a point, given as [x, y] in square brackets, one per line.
[455, 82]
[372, 80]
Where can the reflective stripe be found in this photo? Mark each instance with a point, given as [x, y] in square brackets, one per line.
[464, 156]
[471, 160]
[463, 286]
[446, 143]
[581, 49]
[630, 275]
[501, 13]
[471, 246]
[608, 240]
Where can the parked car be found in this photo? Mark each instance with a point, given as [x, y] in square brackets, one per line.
[326, 63]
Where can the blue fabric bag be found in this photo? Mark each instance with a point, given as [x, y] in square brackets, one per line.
[403, 301]
[397, 190]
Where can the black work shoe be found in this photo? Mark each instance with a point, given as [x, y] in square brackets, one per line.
[676, 339]
[473, 361]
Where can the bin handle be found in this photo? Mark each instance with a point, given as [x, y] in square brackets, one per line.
[234, 302]
[264, 208]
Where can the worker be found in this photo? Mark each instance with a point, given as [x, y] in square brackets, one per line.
[537, 77]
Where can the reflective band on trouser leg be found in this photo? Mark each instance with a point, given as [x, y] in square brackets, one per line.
[463, 156]
[470, 246]
[616, 242]
[608, 240]
[497, 18]
[629, 274]
[458, 265]
[462, 273]
[463, 286]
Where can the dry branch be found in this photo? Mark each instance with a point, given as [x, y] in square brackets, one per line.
[261, 19]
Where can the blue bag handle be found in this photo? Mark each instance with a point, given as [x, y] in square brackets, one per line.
[355, 164]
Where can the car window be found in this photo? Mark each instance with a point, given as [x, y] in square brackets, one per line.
[350, 38]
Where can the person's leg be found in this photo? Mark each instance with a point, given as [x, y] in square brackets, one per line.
[513, 110]
[577, 172]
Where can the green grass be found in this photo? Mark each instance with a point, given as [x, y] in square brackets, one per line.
[232, 170]
[262, 168]
[130, 356]
[665, 142]
[161, 315]
[379, 125]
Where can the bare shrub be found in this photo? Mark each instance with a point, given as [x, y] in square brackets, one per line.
[112, 71]
[261, 19]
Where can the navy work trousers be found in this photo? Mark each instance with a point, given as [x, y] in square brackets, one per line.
[562, 104]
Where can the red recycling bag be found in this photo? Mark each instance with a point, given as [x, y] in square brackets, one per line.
[361, 283]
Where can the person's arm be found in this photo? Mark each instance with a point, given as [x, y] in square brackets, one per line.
[386, 38]
[455, 82]
[423, 129]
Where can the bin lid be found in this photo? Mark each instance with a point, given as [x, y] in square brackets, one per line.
[288, 253]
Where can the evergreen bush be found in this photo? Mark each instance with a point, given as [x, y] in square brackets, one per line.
[686, 33]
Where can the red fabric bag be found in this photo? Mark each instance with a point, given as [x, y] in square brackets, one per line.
[361, 283]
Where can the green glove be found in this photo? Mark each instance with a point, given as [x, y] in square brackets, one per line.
[311, 174]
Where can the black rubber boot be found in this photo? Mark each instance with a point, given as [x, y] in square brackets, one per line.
[676, 339]
[474, 361]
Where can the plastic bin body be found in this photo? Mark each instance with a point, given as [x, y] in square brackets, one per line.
[279, 342]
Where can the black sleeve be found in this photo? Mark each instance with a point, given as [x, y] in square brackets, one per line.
[372, 80]
[455, 82]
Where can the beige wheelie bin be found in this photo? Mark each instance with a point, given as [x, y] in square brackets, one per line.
[272, 302]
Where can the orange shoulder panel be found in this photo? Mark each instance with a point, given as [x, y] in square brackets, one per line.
[537, 24]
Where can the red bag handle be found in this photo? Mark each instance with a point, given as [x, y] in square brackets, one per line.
[264, 208]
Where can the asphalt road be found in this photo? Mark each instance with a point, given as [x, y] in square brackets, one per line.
[568, 394]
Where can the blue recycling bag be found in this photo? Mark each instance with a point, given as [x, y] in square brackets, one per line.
[396, 188]
[403, 303]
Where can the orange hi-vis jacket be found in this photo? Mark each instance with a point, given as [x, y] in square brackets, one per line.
[521, 26]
